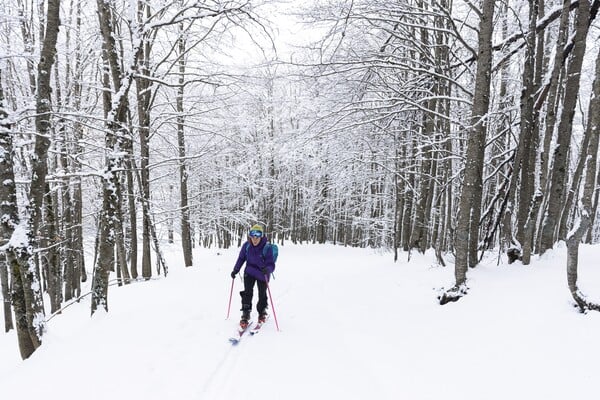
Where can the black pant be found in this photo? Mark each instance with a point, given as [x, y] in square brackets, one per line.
[248, 291]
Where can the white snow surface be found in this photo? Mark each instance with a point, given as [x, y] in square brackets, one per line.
[353, 325]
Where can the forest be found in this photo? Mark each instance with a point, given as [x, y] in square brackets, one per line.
[454, 126]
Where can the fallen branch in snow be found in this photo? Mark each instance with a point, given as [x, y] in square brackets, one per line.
[453, 294]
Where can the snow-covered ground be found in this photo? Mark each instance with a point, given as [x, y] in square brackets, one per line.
[354, 325]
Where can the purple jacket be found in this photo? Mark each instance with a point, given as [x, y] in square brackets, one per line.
[254, 259]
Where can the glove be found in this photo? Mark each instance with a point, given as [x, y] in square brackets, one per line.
[264, 270]
[233, 274]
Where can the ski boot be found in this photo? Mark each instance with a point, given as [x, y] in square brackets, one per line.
[245, 319]
[262, 317]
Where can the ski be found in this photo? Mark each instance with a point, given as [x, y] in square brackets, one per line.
[257, 327]
[239, 333]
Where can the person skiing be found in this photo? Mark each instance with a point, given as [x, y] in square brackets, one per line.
[259, 266]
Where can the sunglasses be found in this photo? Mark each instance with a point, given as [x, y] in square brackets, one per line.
[255, 234]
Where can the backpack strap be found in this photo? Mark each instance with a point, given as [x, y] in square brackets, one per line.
[264, 250]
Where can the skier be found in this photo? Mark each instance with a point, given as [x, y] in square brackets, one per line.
[259, 266]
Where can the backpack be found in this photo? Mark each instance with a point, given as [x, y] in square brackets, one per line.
[264, 250]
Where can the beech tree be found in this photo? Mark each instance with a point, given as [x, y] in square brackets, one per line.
[469, 211]
[560, 167]
[26, 280]
[8, 205]
[590, 154]
[186, 231]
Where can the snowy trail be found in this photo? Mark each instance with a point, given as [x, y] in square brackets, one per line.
[354, 325]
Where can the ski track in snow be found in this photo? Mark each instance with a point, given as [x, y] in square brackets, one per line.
[218, 377]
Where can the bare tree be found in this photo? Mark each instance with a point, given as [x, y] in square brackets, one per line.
[27, 289]
[560, 170]
[9, 218]
[116, 113]
[144, 100]
[186, 234]
[591, 156]
[527, 141]
[467, 229]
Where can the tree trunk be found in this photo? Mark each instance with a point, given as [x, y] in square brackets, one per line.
[589, 237]
[576, 177]
[421, 226]
[526, 138]
[560, 168]
[398, 205]
[533, 215]
[186, 234]
[556, 79]
[116, 111]
[144, 132]
[8, 320]
[121, 252]
[470, 198]
[593, 132]
[76, 207]
[80, 274]
[67, 248]
[423, 205]
[106, 239]
[8, 205]
[50, 256]
[27, 288]
[132, 234]
[144, 96]
[408, 194]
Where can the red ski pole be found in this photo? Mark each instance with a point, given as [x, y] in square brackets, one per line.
[230, 296]
[272, 305]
